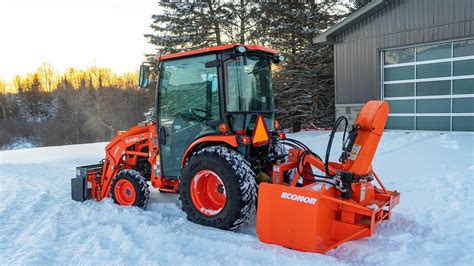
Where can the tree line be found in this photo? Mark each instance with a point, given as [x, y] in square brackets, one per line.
[77, 106]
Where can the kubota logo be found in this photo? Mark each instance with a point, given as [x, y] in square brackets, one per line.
[299, 198]
[130, 140]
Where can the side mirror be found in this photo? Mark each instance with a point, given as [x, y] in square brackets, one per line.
[144, 78]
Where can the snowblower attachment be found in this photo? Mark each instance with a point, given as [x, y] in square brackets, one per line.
[318, 212]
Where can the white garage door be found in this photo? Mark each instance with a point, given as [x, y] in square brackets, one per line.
[430, 87]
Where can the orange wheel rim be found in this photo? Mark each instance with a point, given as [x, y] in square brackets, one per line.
[208, 192]
[124, 192]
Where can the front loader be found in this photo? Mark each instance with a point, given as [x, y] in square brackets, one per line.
[213, 139]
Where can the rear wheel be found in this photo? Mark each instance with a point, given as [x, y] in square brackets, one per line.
[129, 187]
[218, 188]
[208, 193]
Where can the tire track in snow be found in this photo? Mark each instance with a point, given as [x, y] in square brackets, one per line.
[44, 226]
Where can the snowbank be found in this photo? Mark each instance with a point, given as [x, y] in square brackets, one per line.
[39, 224]
[21, 143]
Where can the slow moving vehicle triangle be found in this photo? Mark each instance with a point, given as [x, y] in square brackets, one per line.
[260, 132]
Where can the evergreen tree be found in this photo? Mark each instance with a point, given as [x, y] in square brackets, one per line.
[188, 25]
[304, 89]
[359, 4]
[197, 24]
[242, 21]
[32, 99]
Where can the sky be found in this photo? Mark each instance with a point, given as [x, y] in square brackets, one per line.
[73, 33]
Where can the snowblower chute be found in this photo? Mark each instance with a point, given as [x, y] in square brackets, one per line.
[213, 139]
[322, 212]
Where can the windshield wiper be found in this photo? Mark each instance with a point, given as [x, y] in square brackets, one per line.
[257, 70]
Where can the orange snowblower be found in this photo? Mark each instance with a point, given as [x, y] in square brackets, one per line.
[328, 210]
[214, 140]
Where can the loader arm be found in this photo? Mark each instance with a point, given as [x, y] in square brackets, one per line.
[121, 148]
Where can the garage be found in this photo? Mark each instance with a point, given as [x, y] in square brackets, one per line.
[416, 54]
[430, 87]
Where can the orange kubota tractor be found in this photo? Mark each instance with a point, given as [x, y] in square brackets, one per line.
[213, 138]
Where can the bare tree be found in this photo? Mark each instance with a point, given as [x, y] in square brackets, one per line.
[47, 76]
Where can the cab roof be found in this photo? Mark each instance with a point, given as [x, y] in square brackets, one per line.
[215, 49]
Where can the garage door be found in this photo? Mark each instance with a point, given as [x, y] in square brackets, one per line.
[430, 87]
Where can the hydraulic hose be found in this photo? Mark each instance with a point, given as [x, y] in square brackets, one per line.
[300, 163]
[298, 144]
[331, 138]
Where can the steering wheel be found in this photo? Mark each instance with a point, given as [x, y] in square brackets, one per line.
[199, 113]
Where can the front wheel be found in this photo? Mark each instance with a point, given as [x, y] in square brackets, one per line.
[129, 187]
[218, 188]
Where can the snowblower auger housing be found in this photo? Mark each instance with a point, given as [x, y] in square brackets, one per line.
[213, 139]
[322, 214]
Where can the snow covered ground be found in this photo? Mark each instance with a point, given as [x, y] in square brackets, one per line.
[40, 224]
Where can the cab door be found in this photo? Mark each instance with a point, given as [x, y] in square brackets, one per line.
[188, 106]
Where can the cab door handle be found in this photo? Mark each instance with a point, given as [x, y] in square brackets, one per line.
[162, 136]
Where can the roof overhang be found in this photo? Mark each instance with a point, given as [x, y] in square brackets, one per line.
[354, 18]
[215, 49]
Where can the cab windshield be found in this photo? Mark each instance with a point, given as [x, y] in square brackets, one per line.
[249, 84]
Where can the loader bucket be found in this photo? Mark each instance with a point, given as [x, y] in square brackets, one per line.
[314, 219]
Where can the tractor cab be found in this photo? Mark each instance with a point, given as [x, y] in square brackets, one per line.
[212, 92]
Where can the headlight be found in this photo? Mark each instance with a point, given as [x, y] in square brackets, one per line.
[240, 49]
[278, 59]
